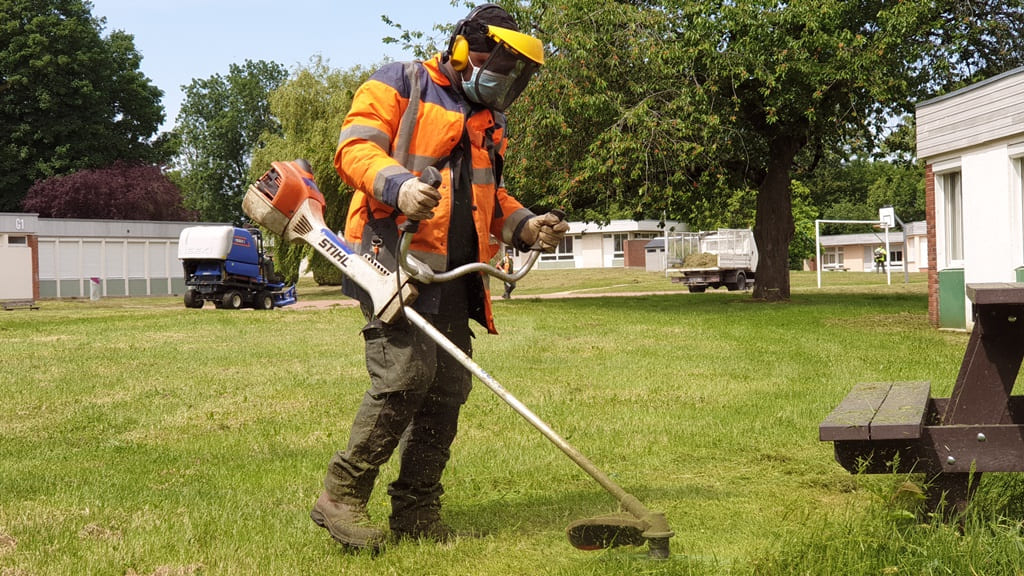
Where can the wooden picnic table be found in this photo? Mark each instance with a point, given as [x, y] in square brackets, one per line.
[898, 427]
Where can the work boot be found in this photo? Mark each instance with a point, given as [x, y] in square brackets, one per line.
[347, 522]
[423, 523]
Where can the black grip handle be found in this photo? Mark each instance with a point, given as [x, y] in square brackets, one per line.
[431, 176]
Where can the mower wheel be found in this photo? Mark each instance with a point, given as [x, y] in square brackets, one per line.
[264, 301]
[191, 300]
[231, 300]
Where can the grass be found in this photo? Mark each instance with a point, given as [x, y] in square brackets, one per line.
[138, 437]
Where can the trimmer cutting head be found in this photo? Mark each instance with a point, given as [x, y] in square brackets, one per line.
[615, 530]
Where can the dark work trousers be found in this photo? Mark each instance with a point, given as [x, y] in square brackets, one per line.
[416, 392]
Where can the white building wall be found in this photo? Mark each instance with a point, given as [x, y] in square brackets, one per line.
[591, 252]
[978, 130]
[988, 221]
[16, 261]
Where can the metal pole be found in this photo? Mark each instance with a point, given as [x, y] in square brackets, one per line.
[906, 271]
[888, 268]
[817, 248]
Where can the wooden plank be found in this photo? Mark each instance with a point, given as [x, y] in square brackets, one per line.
[976, 448]
[901, 415]
[996, 293]
[852, 418]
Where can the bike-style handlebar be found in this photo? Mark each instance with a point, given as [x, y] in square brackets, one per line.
[422, 273]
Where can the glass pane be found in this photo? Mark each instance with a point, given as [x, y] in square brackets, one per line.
[954, 217]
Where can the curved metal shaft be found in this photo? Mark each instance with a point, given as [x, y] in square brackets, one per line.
[423, 273]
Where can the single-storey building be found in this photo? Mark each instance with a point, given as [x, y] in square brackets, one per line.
[972, 143]
[856, 252]
[616, 244]
[71, 258]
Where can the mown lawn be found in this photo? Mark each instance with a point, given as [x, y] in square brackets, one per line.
[138, 437]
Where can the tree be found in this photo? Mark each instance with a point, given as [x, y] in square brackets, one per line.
[648, 106]
[311, 106]
[69, 98]
[219, 126]
[122, 191]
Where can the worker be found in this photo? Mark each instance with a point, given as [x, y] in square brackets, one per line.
[879, 259]
[446, 112]
[506, 266]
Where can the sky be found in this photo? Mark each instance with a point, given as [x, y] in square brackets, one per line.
[181, 40]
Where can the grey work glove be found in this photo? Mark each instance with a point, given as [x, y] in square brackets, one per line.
[544, 232]
[417, 199]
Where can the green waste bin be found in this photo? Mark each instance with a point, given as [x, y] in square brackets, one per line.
[952, 299]
[1020, 274]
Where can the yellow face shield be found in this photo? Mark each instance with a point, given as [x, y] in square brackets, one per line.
[507, 71]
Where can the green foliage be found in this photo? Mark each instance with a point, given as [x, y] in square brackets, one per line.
[801, 247]
[219, 126]
[856, 189]
[899, 186]
[70, 99]
[310, 107]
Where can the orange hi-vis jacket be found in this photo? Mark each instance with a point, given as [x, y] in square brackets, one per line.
[407, 117]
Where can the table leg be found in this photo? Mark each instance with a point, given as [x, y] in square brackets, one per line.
[981, 394]
[949, 494]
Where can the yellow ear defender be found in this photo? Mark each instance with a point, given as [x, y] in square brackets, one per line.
[458, 46]
[459, 53]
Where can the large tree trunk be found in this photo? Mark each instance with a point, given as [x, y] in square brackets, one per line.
[773, 228]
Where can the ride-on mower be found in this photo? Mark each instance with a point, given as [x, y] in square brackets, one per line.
[286, 201]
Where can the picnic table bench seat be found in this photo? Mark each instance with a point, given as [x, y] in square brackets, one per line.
[20, 303]
[884, 427]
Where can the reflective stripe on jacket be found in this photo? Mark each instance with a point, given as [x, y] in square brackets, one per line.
[390, 135]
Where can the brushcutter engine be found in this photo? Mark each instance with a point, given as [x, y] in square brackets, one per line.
[286, 201]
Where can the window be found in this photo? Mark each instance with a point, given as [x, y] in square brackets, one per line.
[618, 240]
[17, 240]
[1018, 163]
[563, 252]
[833, 258]
[952, 194]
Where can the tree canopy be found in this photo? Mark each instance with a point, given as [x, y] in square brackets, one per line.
[647, 108]
[217, 130]
[122, 191]
[310, 107]
[70, 99]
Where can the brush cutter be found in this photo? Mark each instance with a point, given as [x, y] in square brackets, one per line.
[287, 202]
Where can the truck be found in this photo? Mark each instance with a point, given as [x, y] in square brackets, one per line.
[228, 266]
[724, 257]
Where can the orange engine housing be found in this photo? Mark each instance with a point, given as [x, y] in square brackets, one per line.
[288, 185]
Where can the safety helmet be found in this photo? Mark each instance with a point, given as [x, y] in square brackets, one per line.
[507, 71]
